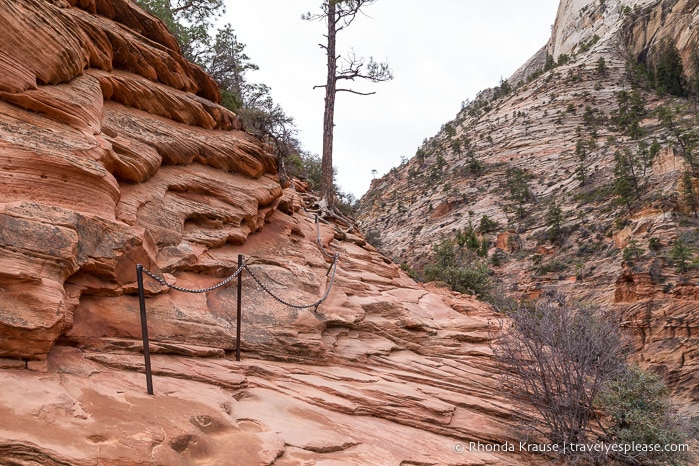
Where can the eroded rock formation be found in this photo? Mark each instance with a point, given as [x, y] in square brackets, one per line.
[114, 153]
[557, 126]
[99, 140]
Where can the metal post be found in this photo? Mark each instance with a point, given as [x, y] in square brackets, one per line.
[144, 328]
[239, 309]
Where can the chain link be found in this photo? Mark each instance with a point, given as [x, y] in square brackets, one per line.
[320, 243]
[164, 282]
[333, 268]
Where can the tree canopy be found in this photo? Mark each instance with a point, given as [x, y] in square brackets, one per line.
[189, 20]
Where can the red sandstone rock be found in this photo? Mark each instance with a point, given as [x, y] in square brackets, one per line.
[112, 156]
[535, 127]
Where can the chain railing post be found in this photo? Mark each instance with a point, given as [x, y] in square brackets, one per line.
[239, 311]
[144, 328]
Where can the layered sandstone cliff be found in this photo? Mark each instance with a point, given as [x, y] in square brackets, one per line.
[557, 128]
[114, 153]
[102, 127]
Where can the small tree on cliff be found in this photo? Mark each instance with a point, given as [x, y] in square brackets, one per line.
[224, 58]
[688, 191]
[554, 220]
[669, 72]
[517, 185]
[338, 15]
[227, 62]
[627, 179]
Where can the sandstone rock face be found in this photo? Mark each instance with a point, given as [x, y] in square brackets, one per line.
[108, 157]
[557, 128]
[385, 371]
[114, 153]
[578, 21]
[674, 20]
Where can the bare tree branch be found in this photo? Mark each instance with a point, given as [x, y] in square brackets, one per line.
[355, 92]
[558, 356]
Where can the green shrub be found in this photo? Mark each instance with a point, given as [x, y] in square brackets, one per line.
[305, 166]
[551, 266]
[654, 244]
[460, 268]
[638, 411]
[409, 270]
[632, 252]
[497, 259]
[681, 255]
[487, 225]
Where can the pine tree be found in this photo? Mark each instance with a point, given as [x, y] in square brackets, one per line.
[626, 181]
[681, 255]
[554, 219]
[689, 192]
[518, 188]
[632, 252]
[669, 72]
[338, 15]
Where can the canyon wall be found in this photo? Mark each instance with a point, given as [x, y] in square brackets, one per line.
[555, 125]
[114, 152]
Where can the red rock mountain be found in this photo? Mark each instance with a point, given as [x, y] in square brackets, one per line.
[113, 153]
[557, 122]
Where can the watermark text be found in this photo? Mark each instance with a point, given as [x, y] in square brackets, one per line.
[570, 448]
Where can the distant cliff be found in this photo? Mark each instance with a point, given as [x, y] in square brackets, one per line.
[555, 135]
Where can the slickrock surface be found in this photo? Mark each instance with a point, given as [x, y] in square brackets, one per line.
[545, 125]
[114, 153]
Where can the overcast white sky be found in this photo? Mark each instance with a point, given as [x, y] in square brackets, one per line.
[441, 52]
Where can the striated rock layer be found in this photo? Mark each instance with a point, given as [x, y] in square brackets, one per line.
[114, 153]
[556, 128]
[108, 158]
[384, 372]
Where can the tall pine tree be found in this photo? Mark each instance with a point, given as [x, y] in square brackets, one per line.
[338, 15]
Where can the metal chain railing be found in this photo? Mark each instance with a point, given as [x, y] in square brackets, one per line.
[164, 282]
[333, 268]
[242, 264]
[320, 243]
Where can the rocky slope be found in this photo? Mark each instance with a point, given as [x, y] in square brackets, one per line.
[113, 153]
[554, 124]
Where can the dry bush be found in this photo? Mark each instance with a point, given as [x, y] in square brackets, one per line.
[558, 356]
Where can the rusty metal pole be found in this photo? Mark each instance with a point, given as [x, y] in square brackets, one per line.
[144, 328]
[239, 308]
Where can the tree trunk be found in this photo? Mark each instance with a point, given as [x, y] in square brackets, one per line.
[327, 185]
